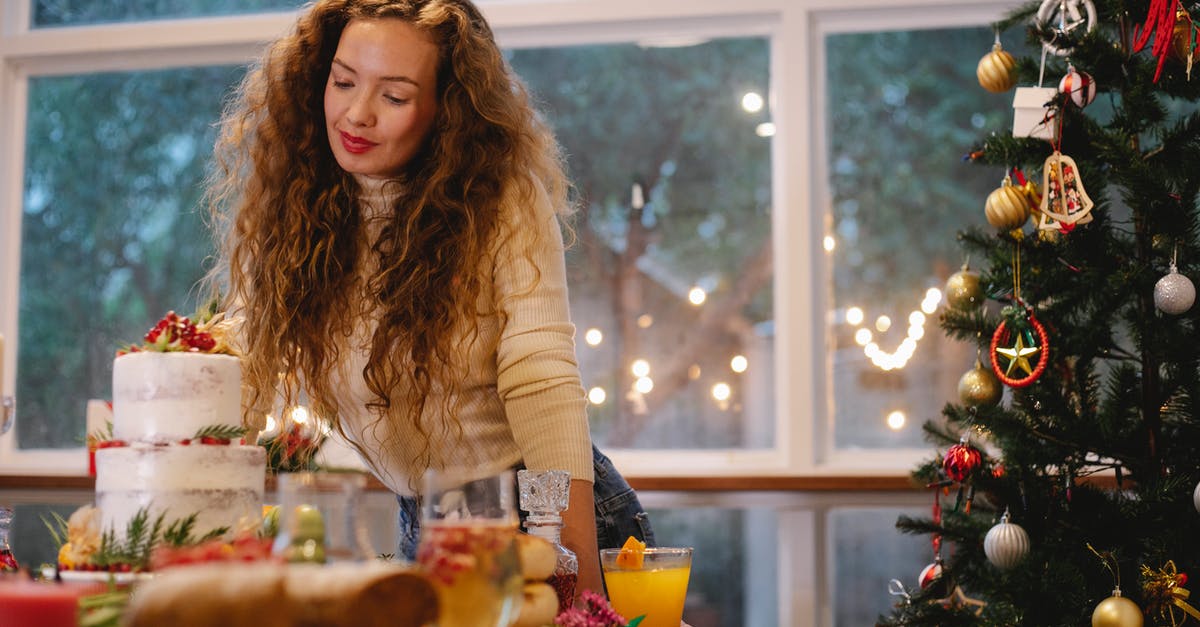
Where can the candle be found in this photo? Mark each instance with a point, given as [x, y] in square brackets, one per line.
[26, 603]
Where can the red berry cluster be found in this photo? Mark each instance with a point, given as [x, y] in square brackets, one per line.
[122, 567]
[175, 332]
[244, 548]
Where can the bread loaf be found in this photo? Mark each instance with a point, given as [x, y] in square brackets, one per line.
[537, 557]
[539, 606]
[272, 595]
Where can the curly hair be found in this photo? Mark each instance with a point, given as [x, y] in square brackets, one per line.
[292, 231]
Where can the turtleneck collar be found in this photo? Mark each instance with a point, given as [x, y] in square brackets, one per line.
[377, 195]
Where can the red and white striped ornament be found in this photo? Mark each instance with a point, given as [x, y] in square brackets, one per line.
[1079, 87]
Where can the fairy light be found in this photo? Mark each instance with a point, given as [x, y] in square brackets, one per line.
[299, 415]
[272, 425]
[593, 336]
[933, 297]
[643, 385]
[645, 321]
[896, 420]
[739, 363]
[908, 346]
[696, 296]
[694, 372]
[752, 102]
[829, 243]
[765, 129]
[640, 368]
[597, 395]
[721, 391]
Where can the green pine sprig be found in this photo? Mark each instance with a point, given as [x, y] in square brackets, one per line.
[227, 432]
[57, 528]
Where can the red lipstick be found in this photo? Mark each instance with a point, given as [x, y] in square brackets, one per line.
[354, 144]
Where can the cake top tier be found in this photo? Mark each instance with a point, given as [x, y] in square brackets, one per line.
[171, 397]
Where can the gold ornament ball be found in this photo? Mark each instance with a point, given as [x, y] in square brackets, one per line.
[963, 290]
[1181, 36]
[1007, 207]
[1117, 611]
[997, 70]
[979, 387]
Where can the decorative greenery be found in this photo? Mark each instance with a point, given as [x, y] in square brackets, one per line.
[221, 432]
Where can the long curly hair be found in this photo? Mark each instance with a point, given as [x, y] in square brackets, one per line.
[292, 233]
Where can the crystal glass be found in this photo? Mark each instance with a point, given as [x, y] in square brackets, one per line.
[545, 494]
[468, 548]
[320, 518]
[655, 589]
[8, 562]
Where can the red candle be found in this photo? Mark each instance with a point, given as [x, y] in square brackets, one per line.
[25, 603]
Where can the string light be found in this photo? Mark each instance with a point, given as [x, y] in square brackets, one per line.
[593, 336]
[640, 368]
[721, 391]
[597, 395]
[896, 420]
[645, 321]
[299, 415]
[765, 129]
[916, 331]
[739, 363]
[643, 385]
[752, 102]
[830, 243]
[696, 296]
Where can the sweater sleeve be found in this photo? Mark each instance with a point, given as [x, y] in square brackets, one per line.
[537, 372]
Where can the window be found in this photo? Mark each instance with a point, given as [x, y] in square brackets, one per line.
[669, 148]
[50, 13]
[112, 235]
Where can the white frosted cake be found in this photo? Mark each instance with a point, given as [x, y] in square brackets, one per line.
[173, 413]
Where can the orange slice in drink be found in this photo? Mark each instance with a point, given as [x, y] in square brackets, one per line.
[632, 554]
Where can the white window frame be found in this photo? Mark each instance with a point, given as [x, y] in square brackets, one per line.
[796, 28]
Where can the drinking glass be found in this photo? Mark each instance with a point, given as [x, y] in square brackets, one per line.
[657, 589]
[320, 519]
[468, 548]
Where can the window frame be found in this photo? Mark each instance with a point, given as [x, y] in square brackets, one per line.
[796, 31]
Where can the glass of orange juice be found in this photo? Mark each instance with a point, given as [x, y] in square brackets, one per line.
[656, 588]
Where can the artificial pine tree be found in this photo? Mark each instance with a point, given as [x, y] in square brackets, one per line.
[1094, 450]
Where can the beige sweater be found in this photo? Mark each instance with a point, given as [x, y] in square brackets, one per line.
[521, 399]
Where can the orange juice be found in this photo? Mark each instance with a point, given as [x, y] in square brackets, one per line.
[656, 590]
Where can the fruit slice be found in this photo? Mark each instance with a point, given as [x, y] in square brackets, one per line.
[632, 554]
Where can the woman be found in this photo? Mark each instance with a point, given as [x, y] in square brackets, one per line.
[392, 239]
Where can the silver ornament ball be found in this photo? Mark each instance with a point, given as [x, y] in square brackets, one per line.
[1006, 544]
[1174, 293]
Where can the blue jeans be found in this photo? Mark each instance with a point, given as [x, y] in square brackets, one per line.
[619, 514]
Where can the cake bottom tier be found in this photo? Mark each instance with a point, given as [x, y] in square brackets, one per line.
[221, 485]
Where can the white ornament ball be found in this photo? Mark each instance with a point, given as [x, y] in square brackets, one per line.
[1079, 87]
[1006, 544]
[1174, 293]
[1196, 497]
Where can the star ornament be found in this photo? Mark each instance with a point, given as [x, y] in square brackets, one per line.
[1018, 355]
[1017, 349]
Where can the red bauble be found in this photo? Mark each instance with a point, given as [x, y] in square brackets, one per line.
[961, 460]
[930, 574]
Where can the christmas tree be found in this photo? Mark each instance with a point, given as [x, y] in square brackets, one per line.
[1068, 466]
